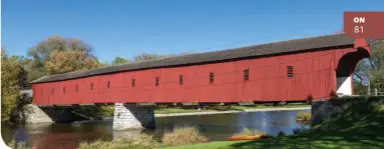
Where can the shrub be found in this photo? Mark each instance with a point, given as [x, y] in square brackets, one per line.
[183, 136]
[249, 132]
[304, 116]
[107, 111]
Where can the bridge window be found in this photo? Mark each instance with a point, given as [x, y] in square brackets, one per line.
[133, 82]
[91, 86]
[289, 72]
[211, 77]
[246, 75]
[157, 81]
[181, 79]
[77, 88]
[108, 84]
[63, 89]
[53, 90]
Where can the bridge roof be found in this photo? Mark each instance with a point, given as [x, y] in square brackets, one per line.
[284, 47]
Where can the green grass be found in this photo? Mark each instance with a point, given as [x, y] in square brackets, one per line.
[360, 125]
[169, 110]
[265, 106]
[177, 110]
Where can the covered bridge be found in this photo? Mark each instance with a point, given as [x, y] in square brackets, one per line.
[294, 70]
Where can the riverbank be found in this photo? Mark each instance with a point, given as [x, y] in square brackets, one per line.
[359, 125]
[231, 111]
[220, 108]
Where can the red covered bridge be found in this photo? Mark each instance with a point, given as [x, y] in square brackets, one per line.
[294, 70]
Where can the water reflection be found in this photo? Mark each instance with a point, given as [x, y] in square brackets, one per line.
[215, 127]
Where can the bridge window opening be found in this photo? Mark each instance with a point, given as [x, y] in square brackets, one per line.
[63, 89]
[157, 81]
[181, 79]
[77, 88]
[246, 75]
[53, 91]
[91, 86]
[211, 77]
[133, 82]
[108, 84]
[289, 72]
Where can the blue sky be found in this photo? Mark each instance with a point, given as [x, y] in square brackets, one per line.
[126, 28]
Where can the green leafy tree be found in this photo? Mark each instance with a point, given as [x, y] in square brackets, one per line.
[371, 68]
[119, 60]
[11, 72]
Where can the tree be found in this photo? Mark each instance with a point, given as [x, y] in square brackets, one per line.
[68, 61]
[371, 67]
[119, 60]
[45, 51]
[146, 56]
[11, 72]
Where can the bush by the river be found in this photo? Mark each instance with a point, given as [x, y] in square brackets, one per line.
[183, 136]
[303, 116]
[179, 136]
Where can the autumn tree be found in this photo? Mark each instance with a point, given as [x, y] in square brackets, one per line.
[56, 53]
[68, 61]
[119, 60]
[11, 72]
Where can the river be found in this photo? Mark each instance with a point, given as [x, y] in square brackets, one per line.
[215, 127]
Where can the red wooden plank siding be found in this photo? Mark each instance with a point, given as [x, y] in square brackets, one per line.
[314, 75]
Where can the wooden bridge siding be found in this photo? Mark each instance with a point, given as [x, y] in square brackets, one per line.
[313, 75]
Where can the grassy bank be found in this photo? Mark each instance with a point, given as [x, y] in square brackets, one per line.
[176, 109]
[359, 125]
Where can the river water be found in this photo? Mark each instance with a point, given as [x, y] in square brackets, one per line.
[215, 127]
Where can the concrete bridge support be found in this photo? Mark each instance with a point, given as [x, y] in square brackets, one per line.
[129, 117]
[35, 114]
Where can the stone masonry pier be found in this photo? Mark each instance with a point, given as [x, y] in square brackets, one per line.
[130, 116]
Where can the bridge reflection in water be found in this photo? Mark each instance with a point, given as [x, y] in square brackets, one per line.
[215, 127]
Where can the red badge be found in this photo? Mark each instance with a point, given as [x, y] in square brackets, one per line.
[364, 24]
